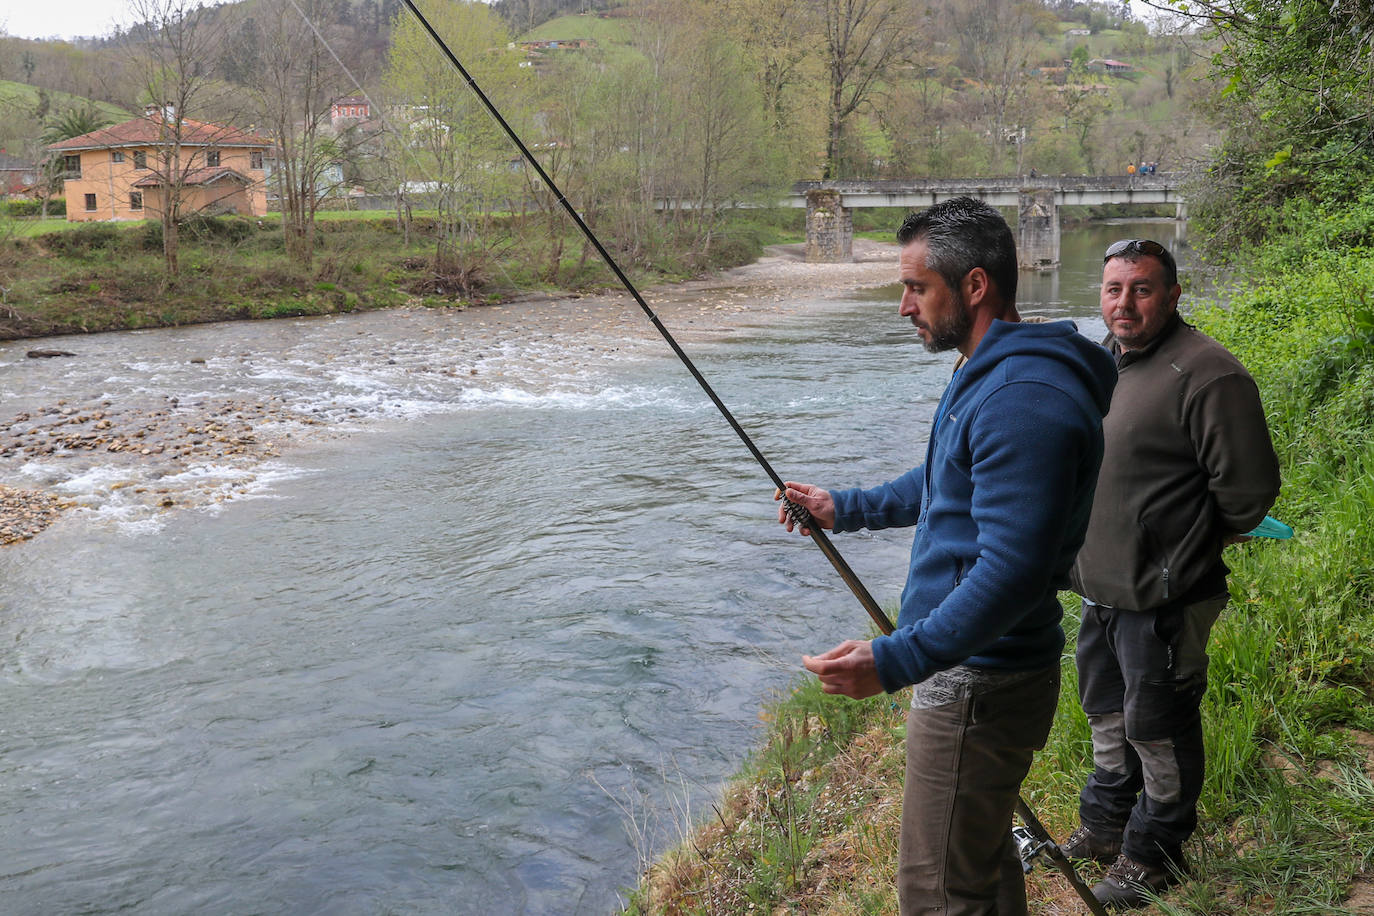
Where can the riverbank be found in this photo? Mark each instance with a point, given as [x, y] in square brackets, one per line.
[1287, 812]
[163, 438]
[103, 276]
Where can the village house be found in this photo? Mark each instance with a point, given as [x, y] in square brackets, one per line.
[17, 176]
[120, 172]
[1113, 67]
[349, 110]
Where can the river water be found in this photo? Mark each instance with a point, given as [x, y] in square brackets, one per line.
[492, 624]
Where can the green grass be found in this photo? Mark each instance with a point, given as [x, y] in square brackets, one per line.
[59, 277]
[25, 96]
[605, 31]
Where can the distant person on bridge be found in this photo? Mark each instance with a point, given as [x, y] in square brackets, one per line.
[1000, 506]
[1189, 466]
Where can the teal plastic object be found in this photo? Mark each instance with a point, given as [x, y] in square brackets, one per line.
[1271, 528]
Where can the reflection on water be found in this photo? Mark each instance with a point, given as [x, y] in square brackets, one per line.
[481, 644]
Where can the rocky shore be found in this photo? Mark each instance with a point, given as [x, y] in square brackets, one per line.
[24, 513]
[169, 438]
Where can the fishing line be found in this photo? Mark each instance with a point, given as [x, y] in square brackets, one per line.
[1044, 843]
[798, 514]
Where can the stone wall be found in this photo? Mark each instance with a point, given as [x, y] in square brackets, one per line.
[829, 227]
[1037, 230]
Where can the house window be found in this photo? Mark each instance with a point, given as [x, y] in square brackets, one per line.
[72, 166]
[90, 201]
[135, 200]
[140, 159]
[255, 159]
[212, 158]
[117, 156]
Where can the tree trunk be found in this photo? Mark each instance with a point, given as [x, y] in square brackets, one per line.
[169, 243]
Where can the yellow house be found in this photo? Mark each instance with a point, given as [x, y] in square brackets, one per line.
[123, 171]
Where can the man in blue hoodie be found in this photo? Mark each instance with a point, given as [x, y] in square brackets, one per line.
[1000, 507]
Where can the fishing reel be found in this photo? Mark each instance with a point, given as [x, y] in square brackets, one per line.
[1028, 846]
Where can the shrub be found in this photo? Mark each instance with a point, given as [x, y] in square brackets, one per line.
[83, 240]
[25, 207]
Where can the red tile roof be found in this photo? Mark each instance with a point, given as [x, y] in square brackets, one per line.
[197, 177]
[148, 131]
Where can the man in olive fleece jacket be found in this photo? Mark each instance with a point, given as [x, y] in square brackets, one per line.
[1188, 467]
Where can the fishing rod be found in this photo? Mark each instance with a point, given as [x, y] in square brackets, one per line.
[799, 514]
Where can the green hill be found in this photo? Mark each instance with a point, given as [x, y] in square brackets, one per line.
[607, 30]
[22, 113]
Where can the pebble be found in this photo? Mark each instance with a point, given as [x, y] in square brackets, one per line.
[24, 513]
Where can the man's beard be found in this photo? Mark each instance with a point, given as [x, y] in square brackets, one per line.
[953, 331]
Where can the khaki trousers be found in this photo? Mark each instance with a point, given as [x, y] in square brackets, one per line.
[965, 761]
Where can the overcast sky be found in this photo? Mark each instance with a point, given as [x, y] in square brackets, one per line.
[63, 18]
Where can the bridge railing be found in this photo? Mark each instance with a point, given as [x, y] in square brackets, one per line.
[1162, 181]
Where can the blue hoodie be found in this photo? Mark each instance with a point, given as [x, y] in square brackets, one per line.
[1000, 505]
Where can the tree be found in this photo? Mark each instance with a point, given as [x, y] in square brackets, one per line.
[294, 82]
[864, 39]
[173, 41]
[778, 38]
[1083, 102]
[73, 122]
[453, 142]
[1297, 107]
[716, 154]
[996, 38]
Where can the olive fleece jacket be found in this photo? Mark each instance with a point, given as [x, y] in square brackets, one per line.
[1188, 462]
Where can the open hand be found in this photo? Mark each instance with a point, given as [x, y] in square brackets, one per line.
[847, 669]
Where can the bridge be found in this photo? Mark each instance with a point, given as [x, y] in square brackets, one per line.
[830, 205]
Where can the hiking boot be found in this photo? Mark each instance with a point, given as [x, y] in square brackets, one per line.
[1130, 884]
[1084, 844]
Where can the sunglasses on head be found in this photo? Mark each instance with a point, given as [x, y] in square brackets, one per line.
[1137, 246]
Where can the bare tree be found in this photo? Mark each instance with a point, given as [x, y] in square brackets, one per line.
[173, 41]
[996, 41]
[864, 39]
[779, 37]
[459, 151]
[294, 83]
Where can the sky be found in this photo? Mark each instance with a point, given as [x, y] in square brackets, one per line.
[68, 19]
[65, 19]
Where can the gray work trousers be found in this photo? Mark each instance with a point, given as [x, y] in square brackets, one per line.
[965, 760]
[1141, 679]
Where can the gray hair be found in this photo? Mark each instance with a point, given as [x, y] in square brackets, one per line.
[963, 233]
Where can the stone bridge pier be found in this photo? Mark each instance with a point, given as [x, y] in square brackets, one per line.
[829, 227]
[1037, 230]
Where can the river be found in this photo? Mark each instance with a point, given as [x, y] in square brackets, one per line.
[481, 619]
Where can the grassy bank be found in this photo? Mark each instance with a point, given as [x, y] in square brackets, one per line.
[1287, 813]
[110, 276]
